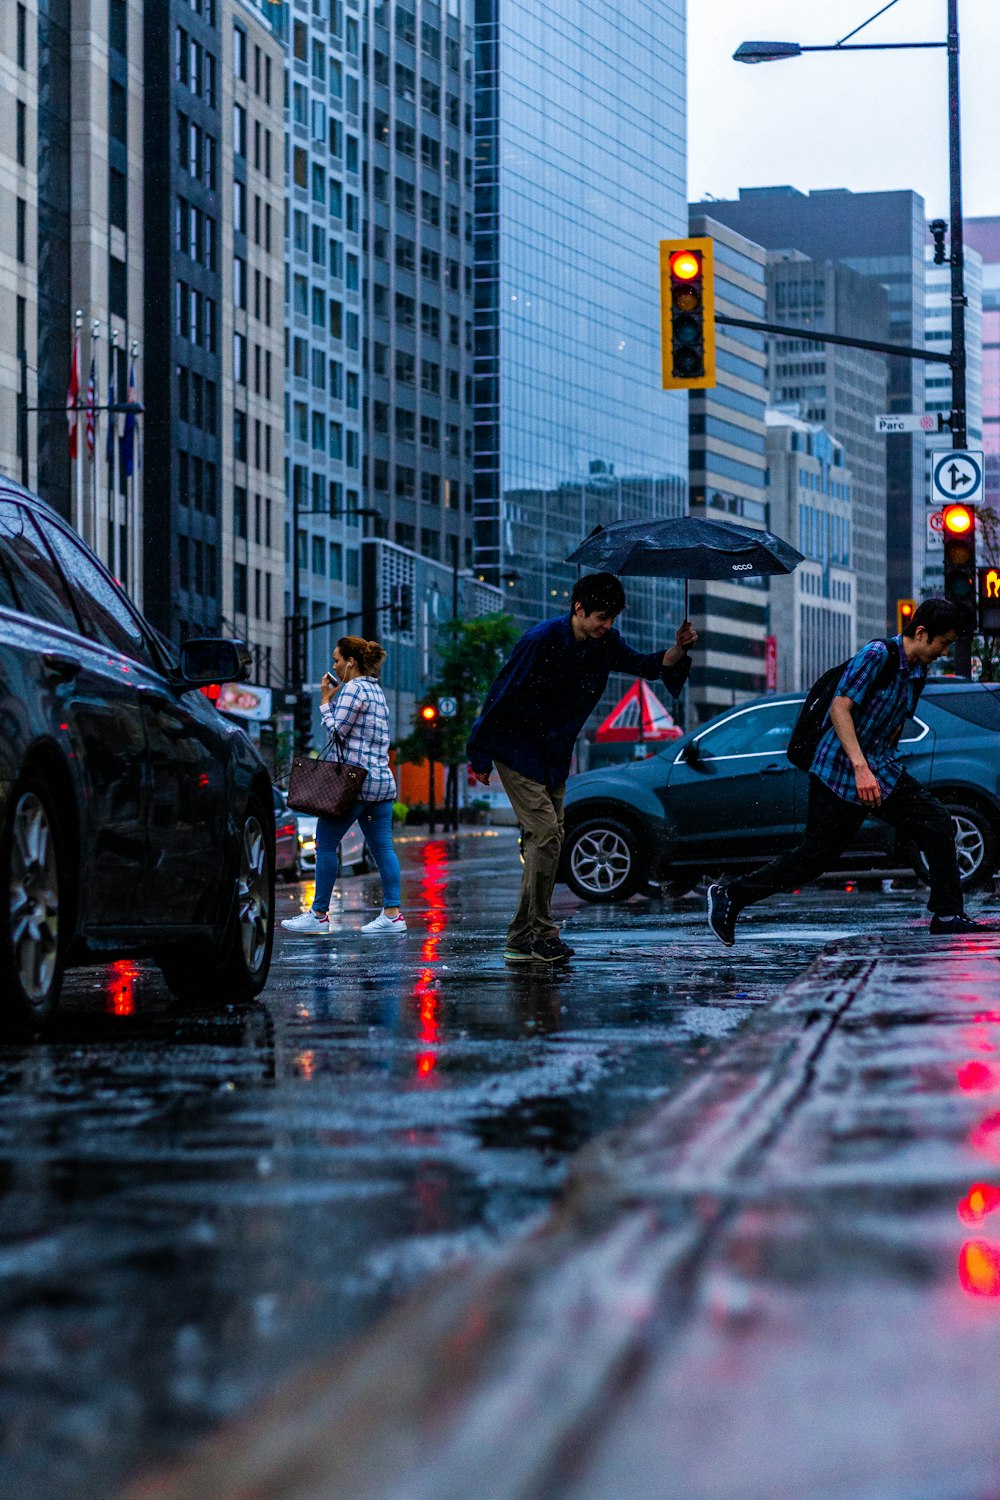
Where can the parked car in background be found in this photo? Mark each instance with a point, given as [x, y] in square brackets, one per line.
[286, 838]
[725, 797]
[134, 820]
[354, 858]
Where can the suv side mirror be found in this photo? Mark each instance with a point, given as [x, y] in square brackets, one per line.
[214, 660]
[691, 755]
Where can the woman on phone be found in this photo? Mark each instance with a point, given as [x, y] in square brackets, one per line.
[354, 710]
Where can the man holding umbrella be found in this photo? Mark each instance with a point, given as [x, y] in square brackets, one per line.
[536, 708]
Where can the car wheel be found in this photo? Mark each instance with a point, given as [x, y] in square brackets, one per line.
[975, 845]
[237, 968]
[31, 940]
[603, 860]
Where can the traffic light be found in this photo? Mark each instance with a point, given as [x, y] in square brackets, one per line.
[303, 723]
[959, 525]
[429, 714]
[429, 728]
[687, 314]
[904, 613]
[989, 601]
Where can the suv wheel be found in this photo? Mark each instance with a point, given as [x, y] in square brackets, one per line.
[975, 845]
[32, 869]
[603, 860]
[236, 969]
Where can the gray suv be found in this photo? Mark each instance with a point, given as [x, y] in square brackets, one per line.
[726, 797]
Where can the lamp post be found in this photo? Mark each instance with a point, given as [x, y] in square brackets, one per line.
[758, 52]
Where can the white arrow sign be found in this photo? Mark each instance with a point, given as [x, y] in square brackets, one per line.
[447, 707]
[906, 421]
[958, 475]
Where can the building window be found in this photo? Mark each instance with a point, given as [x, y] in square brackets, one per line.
[240, 54]
[240, 588]
[118, 112]
[240, 436]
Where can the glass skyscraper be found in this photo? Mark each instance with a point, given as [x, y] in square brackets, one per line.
[580, 171]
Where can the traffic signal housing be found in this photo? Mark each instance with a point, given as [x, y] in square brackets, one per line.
[687, 313]
[989, 601]
[904, 613]
[959, 528]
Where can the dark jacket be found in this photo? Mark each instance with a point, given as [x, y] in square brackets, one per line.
[546, 691]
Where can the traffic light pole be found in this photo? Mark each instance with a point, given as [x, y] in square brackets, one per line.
[962, 654]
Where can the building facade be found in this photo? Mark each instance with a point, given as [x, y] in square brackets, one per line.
[19, 245]
[937, 392]
[983, 235]
[214, 322]
[418, 312]
[727, 477]
[323, 314]
[580, 171]
[813, 609]
[841, 389]
[881, 235]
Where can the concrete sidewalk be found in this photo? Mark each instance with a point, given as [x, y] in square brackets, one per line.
[783, 1283]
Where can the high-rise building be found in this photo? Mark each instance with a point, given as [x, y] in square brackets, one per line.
[882, 236]
[813, 609]
[728, 477]
[580, 171]
[323, 311]
[840, 388]
[418, 313]
[983, 235]
[214, 321]
[937, 392]
[19, 247]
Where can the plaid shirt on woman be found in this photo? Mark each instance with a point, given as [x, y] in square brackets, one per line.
[358, 713]
[879, 717]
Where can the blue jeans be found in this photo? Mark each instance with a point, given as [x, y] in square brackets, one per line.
[375, 821]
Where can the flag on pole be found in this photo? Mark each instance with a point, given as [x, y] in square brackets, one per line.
[128, 437]
[91, 408]
[73, 396]
[109, 450]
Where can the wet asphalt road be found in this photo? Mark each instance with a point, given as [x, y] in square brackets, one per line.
[193, 1204]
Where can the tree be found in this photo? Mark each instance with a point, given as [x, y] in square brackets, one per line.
[470, 655]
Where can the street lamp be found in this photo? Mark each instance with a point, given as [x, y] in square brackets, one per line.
[760, 52]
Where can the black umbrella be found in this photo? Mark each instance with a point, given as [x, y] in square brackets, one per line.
[685, 547]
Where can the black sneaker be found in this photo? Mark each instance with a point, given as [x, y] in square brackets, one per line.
[722, 913]
[551, 950]
[943, 926]
[514, 954]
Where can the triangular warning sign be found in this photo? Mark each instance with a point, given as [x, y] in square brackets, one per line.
[638, 716]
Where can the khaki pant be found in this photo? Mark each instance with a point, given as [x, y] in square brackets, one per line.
[540, 814]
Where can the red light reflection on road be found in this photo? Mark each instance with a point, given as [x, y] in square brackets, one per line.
[985, 1137]
[121, 988]
[981, 1199]
[979, 1268]
[978, 1078]
[425, 992]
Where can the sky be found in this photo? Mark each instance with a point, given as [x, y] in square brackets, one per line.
[867, 121]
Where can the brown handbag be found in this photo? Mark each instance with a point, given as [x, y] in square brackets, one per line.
[330, 788]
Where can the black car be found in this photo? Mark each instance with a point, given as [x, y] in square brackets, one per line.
[725, 797]
[134, 819]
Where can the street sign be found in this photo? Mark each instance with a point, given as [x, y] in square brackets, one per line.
[447, 707]
[935, 528]
[958, 475]
[906, 421]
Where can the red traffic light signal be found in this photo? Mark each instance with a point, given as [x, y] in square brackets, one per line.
[429, 713]
[687, 310]
[958, 520]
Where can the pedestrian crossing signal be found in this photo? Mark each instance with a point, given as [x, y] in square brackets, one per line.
[989, 601]
[687, 314]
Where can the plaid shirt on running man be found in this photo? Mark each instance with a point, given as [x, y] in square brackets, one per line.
[359, 714]
[878, 717]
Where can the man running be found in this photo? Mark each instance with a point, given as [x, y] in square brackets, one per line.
[540, 701]
[855, 772]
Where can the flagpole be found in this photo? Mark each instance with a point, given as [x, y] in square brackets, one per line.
[115, 558]
[95, 334]
[135, 588]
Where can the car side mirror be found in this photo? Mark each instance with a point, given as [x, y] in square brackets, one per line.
[214, 660]
[691, 755]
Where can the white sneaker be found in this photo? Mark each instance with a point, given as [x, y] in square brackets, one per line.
[382, 923]
[308, 923]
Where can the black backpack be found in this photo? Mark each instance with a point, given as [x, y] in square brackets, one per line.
[814, 714]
